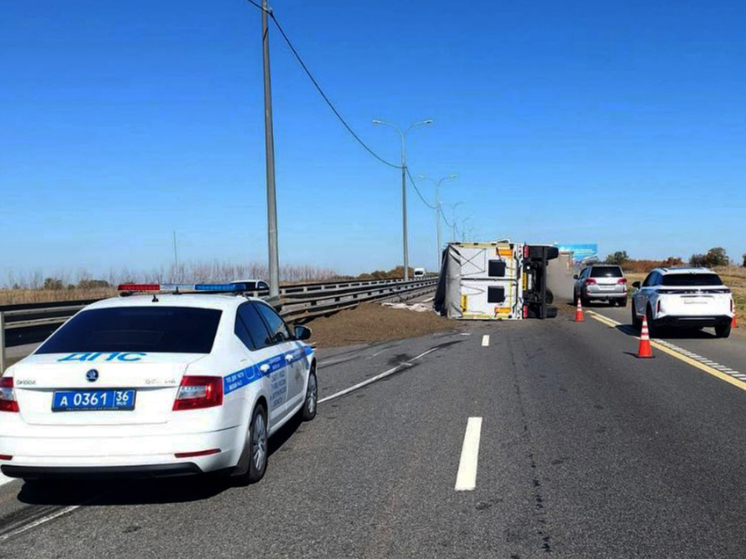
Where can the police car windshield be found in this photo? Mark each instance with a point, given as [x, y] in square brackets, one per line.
[137, 329]
[691, 280]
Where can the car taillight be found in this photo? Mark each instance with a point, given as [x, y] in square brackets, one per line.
[7, 396]
[590, 281]
[622, 281]
[199, 392]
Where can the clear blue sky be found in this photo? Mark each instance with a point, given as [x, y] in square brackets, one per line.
[621, 123]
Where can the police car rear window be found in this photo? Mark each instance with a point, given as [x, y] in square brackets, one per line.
[606, 272]
[691, 280]
[137, 329]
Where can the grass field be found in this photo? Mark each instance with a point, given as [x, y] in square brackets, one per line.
[20, 296]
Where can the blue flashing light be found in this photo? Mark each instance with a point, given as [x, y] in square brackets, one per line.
[228, 287]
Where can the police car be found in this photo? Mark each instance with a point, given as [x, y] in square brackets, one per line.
[163, 384]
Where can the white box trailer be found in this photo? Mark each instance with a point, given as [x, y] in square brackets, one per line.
[495, 281]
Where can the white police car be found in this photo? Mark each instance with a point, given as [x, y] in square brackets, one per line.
[161, 385]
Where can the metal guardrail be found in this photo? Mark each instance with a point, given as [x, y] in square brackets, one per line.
[300, 302]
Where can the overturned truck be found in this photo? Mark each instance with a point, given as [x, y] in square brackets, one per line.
[495, 281]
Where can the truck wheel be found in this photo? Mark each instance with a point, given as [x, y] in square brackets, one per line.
[549, 299]
[723, 330]
[622, 302]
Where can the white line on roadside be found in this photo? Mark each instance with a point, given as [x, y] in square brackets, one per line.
[385, 374]
[485, 340]
[710, 366]
[38, 522]
[466, 479]
[465, 334]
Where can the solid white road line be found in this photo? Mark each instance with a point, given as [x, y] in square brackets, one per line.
[485, 340]
[385, 374]
[466, 480]
[38, 522]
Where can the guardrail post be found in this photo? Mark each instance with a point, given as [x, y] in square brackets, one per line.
[2, 342]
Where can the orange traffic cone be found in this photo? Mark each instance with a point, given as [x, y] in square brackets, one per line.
[734, 322]
[579, 312]
[644, 350]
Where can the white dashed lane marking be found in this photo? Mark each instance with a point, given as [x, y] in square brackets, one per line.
[485, 340]
[466, 479]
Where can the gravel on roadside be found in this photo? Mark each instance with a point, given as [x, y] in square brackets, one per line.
[371, 322]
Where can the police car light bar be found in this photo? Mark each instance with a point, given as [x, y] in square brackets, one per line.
[175, 287]
[221, 287]
[138, 287]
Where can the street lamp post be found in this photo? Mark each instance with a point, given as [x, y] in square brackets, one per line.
[438, 211]
[453, 207]
[463, 228]
[403, 135]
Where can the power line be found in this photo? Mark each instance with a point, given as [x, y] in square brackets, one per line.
[318, 88]
[444, 218]
[417, 190]
[338, 115]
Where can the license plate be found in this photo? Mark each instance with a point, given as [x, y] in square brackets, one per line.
[94, 400]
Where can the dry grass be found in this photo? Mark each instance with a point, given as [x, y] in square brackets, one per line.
[32, 288]
[21, 296]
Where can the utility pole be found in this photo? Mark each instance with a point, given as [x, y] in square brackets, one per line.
[404, 207]
[403, 136]
[438, 212]
[269, 143]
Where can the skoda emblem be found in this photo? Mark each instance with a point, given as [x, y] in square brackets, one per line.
[92, 375]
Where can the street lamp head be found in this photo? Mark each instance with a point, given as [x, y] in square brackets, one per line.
[428, 121]
[376, 121]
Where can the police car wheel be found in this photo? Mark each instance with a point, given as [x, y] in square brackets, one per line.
[308, 412]
[253, 462]
[258, 447]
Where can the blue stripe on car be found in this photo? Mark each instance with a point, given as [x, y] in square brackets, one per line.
[244, 377]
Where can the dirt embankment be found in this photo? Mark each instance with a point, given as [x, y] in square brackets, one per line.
[371, 322]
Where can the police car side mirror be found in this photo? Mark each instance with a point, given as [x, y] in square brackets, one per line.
[302, 332]
[575, 276]
[636, 284]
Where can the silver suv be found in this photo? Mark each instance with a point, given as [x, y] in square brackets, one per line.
[601, 282]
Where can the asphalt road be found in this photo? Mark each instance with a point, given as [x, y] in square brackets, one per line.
[583, 451]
